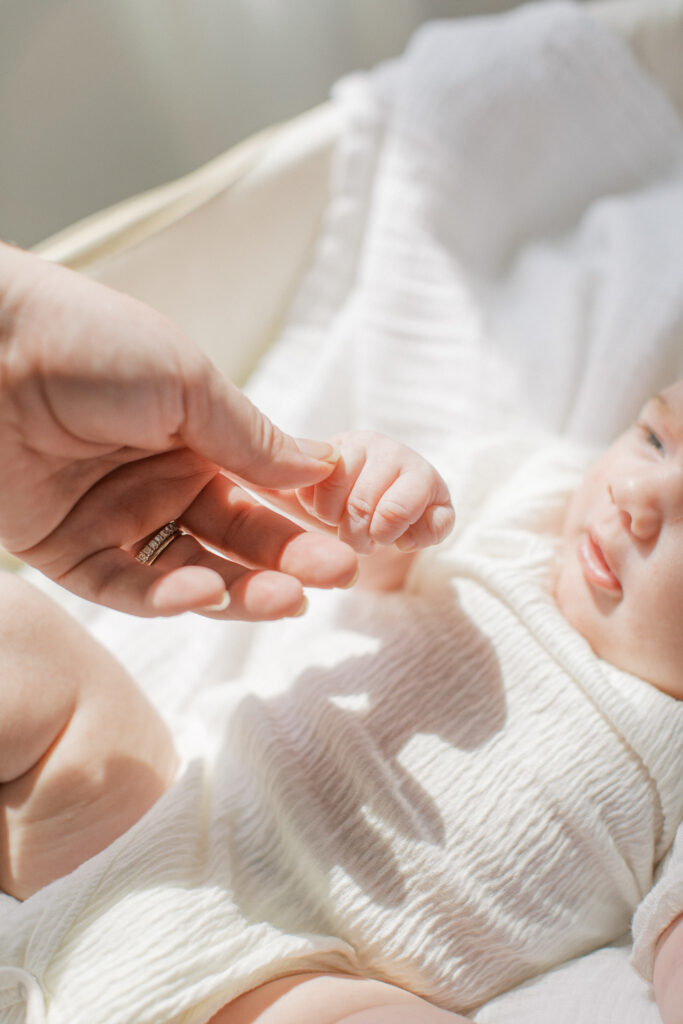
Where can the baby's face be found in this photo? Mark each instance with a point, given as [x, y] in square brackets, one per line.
[620, 581]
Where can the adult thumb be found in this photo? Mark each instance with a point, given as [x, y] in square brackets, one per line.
[224, 426]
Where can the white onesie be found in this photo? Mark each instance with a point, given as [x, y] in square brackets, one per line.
[443, 788]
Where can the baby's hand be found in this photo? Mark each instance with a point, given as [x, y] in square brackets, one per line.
[381, 492]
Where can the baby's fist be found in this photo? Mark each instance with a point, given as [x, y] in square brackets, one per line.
[381, 492]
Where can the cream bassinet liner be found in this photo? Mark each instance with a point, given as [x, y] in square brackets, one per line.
[222, 252]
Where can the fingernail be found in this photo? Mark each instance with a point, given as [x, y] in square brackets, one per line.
[443, 519]
[404, 544]
[352, 581]
[302, 609]
[318, 450]
[220, 607]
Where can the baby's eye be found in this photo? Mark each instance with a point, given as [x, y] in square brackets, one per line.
[651, 438]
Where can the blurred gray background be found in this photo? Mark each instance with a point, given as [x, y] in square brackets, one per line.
[100, 99]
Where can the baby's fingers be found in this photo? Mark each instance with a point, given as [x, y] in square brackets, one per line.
[405, 504]
[436, 523]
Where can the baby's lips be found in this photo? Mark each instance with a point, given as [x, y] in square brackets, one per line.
[595, 565]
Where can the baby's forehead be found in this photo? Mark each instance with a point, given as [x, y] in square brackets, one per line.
[672, 394]
[668, 403]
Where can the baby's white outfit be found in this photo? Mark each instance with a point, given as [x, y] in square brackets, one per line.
[442, 788]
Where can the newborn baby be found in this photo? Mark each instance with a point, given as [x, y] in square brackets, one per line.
[477, 790]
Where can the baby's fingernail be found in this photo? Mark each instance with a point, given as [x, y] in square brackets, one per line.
[352, 581]
[302, 609]
[318, 450]
[220, 607]
[442, 519]
[405, 544]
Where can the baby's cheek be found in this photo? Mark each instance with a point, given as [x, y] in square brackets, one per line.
[578, 508]
[578, 605]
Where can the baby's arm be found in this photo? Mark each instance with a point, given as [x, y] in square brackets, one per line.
[385, 501]
[82, 753]
[668, 973]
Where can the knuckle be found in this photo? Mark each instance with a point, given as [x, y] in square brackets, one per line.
[358, 510]
[99, 587]
[334, 485]
[270, 441]
[393, 513]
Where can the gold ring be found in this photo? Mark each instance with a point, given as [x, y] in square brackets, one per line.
[159, 542]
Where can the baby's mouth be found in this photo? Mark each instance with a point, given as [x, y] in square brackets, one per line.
[594, 565]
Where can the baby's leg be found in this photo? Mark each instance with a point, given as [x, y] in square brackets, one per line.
[83, 754]
[332, 999]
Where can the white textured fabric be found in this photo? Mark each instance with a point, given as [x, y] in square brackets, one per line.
[662, 905]
[503, 237]
[21, 998]
[442, 788]
[600, 988]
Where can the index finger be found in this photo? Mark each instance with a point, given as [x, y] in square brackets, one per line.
[231, 521]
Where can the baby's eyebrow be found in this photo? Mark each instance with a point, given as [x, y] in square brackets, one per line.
[666, 410]
[662, 403]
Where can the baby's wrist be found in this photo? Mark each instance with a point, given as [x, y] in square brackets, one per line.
[384, 570]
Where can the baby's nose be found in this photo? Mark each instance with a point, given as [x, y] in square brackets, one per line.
[639, 507]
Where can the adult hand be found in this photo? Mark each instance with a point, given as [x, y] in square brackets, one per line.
[112, 423]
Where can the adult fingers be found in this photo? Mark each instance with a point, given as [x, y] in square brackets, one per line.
[225, 427]
[132, 501]
[117, 372]
[227, 518]
[296, 505]
[137, 498]
[114, 578]
[245, 594]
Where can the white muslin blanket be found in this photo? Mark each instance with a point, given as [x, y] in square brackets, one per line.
[503, 247]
